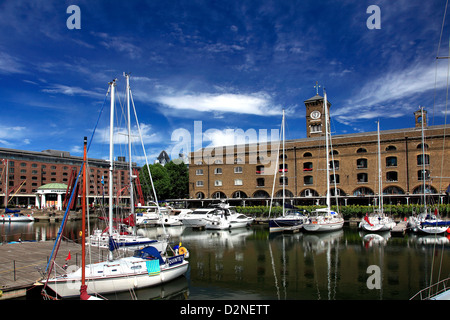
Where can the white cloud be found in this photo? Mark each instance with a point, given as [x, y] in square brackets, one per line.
[72, 91]
[257, 104]
[121, 135]
[11, 136]
[391, 94]
[10, 64]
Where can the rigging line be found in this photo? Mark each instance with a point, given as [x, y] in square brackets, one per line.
[445, 124]
[146, 161]
[437, 55]
[276, 167]
[58, 236]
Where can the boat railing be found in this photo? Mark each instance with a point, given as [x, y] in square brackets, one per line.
[432, 290]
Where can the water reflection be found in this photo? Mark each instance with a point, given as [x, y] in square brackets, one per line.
[253, 264]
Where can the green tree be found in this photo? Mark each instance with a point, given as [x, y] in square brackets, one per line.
[179, 180]
[161, 181]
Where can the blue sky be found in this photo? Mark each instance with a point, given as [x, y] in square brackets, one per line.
[229, 64]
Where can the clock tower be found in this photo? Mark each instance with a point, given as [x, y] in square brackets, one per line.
[315, 115]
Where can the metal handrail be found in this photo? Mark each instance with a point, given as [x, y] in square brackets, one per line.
[429, 289]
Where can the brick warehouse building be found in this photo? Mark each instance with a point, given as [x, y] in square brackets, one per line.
[29, 172]
[244, 181]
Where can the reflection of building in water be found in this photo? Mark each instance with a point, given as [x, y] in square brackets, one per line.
[305, 266]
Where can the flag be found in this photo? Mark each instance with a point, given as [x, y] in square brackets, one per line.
[68, 257]
[435, 211]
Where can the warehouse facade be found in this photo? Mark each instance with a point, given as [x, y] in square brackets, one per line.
[245, 181]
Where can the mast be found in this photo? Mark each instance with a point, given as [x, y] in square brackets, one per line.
[380, 182]
[327, 147]
[111, 161]
[127, 76]
[7, 183]
[423, 163]
[283, 172]
[83, 219]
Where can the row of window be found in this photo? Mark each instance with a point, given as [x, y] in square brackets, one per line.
[308, 166]
[389, 148]
[391, 176]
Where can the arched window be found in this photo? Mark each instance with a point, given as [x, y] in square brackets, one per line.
[428, 189]
[261, 194]
[391, 148]
[363, 191]
[287, 193]
[309, 193]
[307, 155]
[393, 190]
[425, 146]
[239, 194]
[219, 195]
[361, 150]
[199, 195]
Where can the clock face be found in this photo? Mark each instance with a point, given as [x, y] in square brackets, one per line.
[315, 114]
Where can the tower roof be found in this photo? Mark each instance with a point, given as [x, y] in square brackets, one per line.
[317, 97]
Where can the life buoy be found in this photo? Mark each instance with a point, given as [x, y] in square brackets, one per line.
[182, 250]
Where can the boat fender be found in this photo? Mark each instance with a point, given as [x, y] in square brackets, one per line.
[182, 250]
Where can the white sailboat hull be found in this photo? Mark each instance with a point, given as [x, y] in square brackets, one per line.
[323, 226]
[120, 275]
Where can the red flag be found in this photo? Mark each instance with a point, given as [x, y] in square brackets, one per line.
[435, 211]
[68, 257]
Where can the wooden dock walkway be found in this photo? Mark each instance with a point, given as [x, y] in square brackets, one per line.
[399, 229]
[21, 263]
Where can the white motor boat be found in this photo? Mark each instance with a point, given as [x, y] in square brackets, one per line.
[197, 218]
[228, 219]
[171, 217]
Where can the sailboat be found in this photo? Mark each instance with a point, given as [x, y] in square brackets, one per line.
[147, 267]
[378, 221]
[325, 219]
[291, 218]
[111, 236]
[426, 222]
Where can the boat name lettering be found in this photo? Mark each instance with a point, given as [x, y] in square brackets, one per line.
[175, 260]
